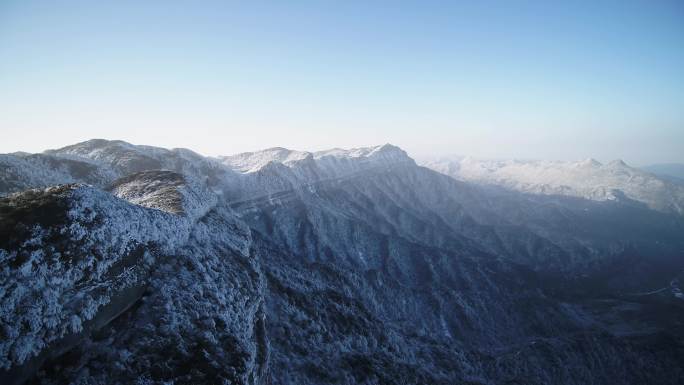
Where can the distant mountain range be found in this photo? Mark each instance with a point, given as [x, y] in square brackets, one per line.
[587, 179]
[671, 171]
[122, 263]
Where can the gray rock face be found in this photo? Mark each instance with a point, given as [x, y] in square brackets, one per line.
[336, 267]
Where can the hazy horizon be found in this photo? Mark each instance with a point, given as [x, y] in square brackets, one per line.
[492, 80]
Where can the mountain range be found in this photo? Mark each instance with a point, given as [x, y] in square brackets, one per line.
[588, 179]
[125, 264]
[671, 171]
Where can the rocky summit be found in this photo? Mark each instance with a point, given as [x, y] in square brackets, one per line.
[127, 264]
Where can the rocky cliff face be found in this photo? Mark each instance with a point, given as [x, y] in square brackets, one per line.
[342, 266]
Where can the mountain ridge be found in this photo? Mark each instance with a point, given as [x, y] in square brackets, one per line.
[341, 266]
[586, 179]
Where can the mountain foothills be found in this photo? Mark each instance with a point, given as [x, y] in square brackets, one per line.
[135, 264]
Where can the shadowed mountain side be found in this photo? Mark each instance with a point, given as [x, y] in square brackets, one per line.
[343, 266]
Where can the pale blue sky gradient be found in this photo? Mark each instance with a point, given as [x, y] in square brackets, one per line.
[493, 79]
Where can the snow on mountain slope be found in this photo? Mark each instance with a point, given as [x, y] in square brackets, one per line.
[339, 162]
[378, 271]
[65, 238]
[332, 163]
[124, 159]
[587, 179]
[74, 258]
[238, 176]
[253, 161]
[199, 321]
[99, 162]
[276, 170]
[20, 172]
[167, 191]
[395, 266]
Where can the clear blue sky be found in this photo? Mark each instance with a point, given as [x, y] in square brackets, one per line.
[526, 79]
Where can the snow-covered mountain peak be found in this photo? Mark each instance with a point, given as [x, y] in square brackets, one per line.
[248, 162]
[93, 148]
[587, 179]
[385, 150]
[334, 160]
[617, 163]
[127, 157]
[589, 162]
[388, 152]
[185, 271]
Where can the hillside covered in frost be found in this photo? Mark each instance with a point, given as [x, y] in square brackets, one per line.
[136, 264]
[587, 179]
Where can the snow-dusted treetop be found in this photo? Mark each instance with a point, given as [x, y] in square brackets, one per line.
[587, 179]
